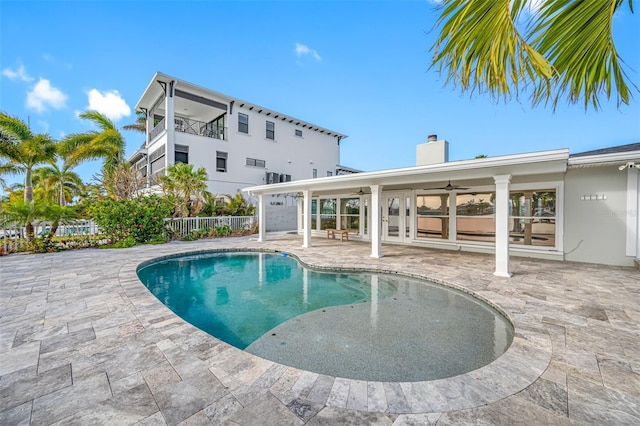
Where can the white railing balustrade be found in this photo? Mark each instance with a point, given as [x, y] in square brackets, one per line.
[183, 226]
[13, 238]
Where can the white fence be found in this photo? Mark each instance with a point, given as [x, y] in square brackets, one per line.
[14, 238]
[182, 226]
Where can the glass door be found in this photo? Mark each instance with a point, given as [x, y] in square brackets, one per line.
[392, 217]
[396, 217]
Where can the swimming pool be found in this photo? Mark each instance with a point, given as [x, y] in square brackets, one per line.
[355, 325]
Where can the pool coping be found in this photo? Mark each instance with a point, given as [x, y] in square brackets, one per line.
[521, 365]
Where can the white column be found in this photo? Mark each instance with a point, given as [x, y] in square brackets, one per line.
[502, 225]
[453, 217]
[633, 215]
[376, 221]
[299, 219]
[261, 217]
[169, 107]
[306, 240]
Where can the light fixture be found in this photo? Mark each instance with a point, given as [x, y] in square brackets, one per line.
[629, 165]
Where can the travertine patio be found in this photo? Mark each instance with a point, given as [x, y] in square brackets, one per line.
[82, 342]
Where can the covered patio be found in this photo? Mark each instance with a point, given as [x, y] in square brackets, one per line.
[490, 205]
[83, 341]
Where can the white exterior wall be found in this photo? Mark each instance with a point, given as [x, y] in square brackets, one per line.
[287, 154]
[595, 228]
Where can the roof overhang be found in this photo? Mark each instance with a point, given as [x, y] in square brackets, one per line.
[154, 91]
[613, 159]
[528, 164]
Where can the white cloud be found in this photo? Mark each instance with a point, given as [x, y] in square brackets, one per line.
[302, 50]
[44, 95]
[19, 74]
[110, 103]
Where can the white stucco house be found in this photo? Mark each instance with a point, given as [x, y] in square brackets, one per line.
[581, 207]
[238, 142]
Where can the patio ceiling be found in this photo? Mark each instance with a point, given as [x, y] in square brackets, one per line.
[464, 173]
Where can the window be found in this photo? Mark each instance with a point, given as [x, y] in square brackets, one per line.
[532, 218]
[271, 130]
[350, 214]
[315, 173]
[329, 173]
[298, 132]
[328, 213]
[221, 161]
[157, 160]
[432, 214]
[256, 163]
[215, 128]
[141, 167]
[475, 217]
[182, 154]
[243, 123]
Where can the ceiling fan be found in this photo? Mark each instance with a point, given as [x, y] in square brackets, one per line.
[450, 187]
[360, 192]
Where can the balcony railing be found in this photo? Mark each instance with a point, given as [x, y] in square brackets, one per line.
[200, 128]
[156, 130]
[192, 127]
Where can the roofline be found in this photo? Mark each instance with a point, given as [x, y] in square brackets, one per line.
[612, 159]
[356, 179]
[183, 83]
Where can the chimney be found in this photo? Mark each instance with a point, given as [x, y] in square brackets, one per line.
[433, 152]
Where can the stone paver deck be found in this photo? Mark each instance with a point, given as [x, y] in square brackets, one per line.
[83, 342]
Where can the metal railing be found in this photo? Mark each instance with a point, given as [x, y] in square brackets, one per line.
[183, 226]
[156, 130]
[200, 128]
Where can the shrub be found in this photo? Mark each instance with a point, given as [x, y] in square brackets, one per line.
[141, 220]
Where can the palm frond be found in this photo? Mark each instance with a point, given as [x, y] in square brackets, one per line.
[576, 37]
[480, 48]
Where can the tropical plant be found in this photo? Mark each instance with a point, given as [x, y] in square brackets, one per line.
[59, 183]
[564, 50]
[140, 220]
[107, 144]
[239, 206]
[186, 188]
[24, 213]
[140, 125]
[24, 149]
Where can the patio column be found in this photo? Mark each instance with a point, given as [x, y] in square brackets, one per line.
[453, 217]
[633, 213]
[261, 216]
[169, 107]
[306, 240]
[376, 221]
[502, 225]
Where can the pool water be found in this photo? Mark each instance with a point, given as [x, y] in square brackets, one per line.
[355, 325]
[238, 297]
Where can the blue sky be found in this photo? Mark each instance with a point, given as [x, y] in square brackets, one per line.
[359, 68]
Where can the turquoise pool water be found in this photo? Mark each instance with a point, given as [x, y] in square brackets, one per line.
[238, 297]
[355, 325]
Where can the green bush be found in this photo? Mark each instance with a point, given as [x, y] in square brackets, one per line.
[140, 220]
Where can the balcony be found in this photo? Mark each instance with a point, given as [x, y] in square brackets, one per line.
[192, 127]
[200, 128]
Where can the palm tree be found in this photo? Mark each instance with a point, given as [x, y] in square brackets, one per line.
[59, 182]
[565, 50]
[140, 125]
[24, 149]
[107, 144]
[185, 187]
